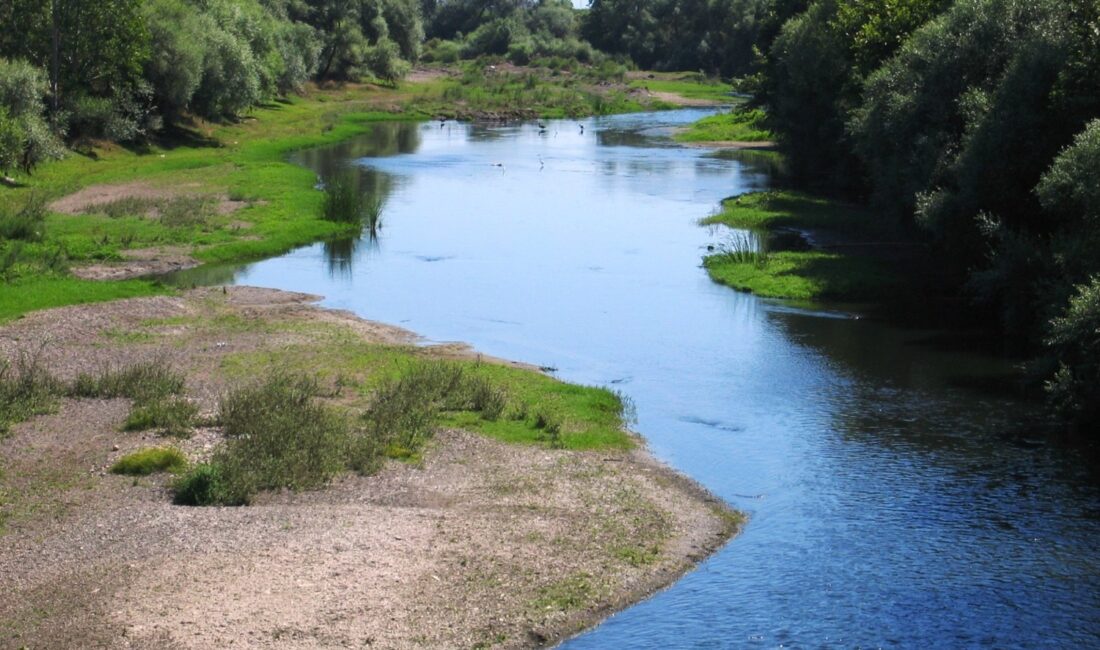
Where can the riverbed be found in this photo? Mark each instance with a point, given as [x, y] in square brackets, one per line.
[896, 495]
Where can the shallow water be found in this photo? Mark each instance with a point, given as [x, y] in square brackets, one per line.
[888, 506]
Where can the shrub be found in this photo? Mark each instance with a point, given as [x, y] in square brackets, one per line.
[404, 409]
[25, 140]
[385, 62]
[201, 486]
[1074, 342]
[148, 461]
[277, 436]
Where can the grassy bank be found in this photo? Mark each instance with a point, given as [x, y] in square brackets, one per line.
[330, 401]
[739, 125]
[193, 173]
[853, 259]
[692, 85]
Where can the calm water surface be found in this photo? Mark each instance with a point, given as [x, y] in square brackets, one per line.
[888, 507]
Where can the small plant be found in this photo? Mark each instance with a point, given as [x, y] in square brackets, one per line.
[201, 486]
[550, 428]
[28, 223]
[26, 389]
[149, 461]
[372, 214]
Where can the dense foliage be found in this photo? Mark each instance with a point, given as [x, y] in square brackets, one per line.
[974, 123]
[715, 36]
[117, 69]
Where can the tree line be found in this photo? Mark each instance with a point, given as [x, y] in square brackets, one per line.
[121, 69]
[973, 124]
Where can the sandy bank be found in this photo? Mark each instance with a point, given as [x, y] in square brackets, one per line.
[483, 544]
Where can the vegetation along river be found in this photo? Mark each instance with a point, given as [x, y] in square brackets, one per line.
[889, 504]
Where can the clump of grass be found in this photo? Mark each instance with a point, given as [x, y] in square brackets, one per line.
[278, 435]
[571, 593]
[142, 382]
[172, 416]
[174, 212]
[27, 223]
[155, 388]
[127, 206]
[187, 211]
[201, 486]
[405, 409]
[149, 461]
[26, 389]
[744, 248]
[343, 202]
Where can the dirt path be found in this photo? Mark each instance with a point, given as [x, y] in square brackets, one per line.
[483, 545]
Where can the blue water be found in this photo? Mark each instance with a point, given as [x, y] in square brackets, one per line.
[891, 503]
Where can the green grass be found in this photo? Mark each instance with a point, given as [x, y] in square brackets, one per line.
[800, 274]
[809, 275]
[574, 592]
[735, 126]
[786, 209]
[544, 94]
[588, 418]
[686, 84]
[150, 461]
[171, 416]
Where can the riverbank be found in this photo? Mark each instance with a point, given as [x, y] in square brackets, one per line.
[225, 192]
[809, 248]
[479, 543]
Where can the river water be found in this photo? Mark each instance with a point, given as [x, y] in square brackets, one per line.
[893, 502]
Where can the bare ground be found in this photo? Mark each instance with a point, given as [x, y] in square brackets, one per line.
[483, 545]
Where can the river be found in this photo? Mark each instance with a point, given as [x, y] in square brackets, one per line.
[893, 502]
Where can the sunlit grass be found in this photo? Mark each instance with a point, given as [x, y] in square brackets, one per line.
[735, 126]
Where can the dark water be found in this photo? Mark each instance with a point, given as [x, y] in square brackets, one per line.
[889, 504]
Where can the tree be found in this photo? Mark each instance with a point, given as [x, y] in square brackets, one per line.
[25, 140]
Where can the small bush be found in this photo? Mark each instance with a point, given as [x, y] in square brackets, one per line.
[1074, 342]
[149, 461]
[277, 436]
[202, 486]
